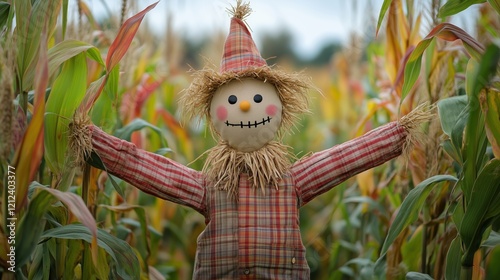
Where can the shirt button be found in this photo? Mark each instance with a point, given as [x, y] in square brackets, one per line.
[293, 260]
[247, 272]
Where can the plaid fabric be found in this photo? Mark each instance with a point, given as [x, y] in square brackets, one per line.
[151, 173]
[240, 52]
[322, 171]
[258, 236]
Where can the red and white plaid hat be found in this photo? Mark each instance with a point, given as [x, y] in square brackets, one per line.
[240, 52]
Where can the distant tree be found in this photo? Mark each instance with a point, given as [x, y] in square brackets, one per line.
[192, 51]
[278, 46]
[325, 54]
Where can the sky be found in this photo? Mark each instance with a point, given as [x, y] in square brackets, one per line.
[313, 23]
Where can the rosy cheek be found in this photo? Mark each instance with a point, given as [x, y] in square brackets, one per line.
[271, 110]
[221, 113]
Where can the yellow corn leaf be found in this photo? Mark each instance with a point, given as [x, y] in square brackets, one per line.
[477, 269]
[372, 107]
[365, 182]
[366, 185]
[397, 38]
[414, 36]
[86, 11]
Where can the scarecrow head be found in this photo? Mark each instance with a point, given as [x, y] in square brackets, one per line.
[247, 103]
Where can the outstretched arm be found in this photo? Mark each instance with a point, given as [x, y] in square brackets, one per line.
[151, 173]
[322, 171]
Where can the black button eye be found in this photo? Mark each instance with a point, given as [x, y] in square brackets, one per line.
[257, 98]
[232, 99]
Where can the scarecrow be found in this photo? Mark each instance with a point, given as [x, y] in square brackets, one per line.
[249, 191]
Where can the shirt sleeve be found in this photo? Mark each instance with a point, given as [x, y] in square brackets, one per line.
[322, 171]
[151, 173]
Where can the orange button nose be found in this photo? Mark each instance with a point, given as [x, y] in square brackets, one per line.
[245, 106]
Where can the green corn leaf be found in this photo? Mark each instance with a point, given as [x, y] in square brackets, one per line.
[4, 13]
[86, 263]
[135, 125]
[489, 99]
[453, 259]
[495, 4]
[444, 31]
[29, 233]
[381, 15]
[372, 204]
[46, 262]
[408, 213]
[31, 22]
[492, 264]
[64, 17]
[417, 276]
[409, 249]
[457, 134]
[490, 104]
[32, 224]
[453, 116]
[482, 198]
[413, 66]
[61, 53]
[36, 270]
[449, 109]
[450, 149]
[21, 32]
[96, 162]
[478, 77]
[103, 269]
[102, 113]
[163, 151]
[458, 211]
[492, 241]
[453, 7]
[125, 260]
[141, 214]
[67, 92]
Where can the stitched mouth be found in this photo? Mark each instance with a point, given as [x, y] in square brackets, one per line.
[250, 124]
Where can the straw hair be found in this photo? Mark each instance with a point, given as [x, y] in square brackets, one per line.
[291, 88]
[265, 166]
[241, 11]
[412, 122]
[80, 139]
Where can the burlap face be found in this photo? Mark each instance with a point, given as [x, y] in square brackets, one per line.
[246, 113]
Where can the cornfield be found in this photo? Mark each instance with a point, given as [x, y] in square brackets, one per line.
[432, 215]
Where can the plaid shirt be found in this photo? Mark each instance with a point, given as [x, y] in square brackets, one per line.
[258, 236]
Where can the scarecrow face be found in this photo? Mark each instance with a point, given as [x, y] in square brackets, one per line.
[246, 113]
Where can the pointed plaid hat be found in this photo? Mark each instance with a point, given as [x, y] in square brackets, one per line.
[240, 51]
